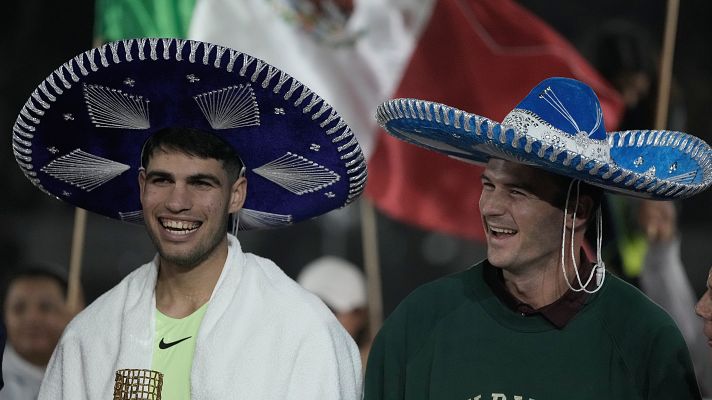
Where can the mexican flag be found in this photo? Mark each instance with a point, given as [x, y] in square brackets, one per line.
[481, 56]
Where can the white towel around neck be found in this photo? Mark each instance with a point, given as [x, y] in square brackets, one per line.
[262, 337]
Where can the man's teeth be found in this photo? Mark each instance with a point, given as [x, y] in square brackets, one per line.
[183, 226]
[502, 230]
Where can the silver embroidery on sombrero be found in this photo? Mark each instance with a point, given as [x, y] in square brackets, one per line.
[688, 177]
[135, 217]
[21, 153]
[21, 150]
[552, 99]
[112, 108]
[297, 174]
[681, 185]
[231, 107]
[84, 170]
[517, 132]
[148, 50]
[431, 143]
[357, 175]
[580, 143]
[251, 219]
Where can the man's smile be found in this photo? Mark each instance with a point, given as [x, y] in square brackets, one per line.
[180, 227]
[500, 232]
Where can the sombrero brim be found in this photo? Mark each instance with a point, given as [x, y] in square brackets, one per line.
[650, 164]
[80, 134]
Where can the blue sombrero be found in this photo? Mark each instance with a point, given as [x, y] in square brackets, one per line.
[559, 127]
[80, 134]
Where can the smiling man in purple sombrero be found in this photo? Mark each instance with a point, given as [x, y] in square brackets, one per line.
[179, 135]
[537, 319]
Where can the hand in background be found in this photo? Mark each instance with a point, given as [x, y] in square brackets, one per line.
[658, 220]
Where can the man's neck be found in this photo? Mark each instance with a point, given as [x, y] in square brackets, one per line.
[182, 290]
[539, 286]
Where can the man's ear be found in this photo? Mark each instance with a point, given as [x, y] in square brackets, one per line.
[238, 193]
[584, 213]
[141, 182]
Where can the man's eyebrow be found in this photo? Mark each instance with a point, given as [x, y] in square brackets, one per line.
[205, 177]
[514, 183]
[158, 174]
[526, 186]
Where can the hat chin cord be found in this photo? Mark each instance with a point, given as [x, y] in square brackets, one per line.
[235, 223]
[599, 269]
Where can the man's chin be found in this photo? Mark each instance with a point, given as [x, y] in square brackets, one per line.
[496, 260]
[707, 330]
[183, 261]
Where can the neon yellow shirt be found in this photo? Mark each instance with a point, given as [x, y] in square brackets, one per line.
[173, 347]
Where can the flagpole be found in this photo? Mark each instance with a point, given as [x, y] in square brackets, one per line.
[666, 62]
[74, 283]
[652, 231]
[369, 238]
[75, 297]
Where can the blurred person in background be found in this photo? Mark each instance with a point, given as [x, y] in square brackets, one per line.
[341, 285]
[664, 279]
[704, 309]
[626, 56]
[35, 315]
[644, 245]
[2, 346]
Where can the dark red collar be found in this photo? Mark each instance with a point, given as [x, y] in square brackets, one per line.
[559, 313]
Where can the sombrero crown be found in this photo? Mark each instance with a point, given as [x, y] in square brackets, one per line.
[559, 127]
[80, 134]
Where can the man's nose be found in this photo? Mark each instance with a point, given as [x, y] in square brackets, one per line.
[492, 203]
[703, 308]
[32, 314]
[179, 199]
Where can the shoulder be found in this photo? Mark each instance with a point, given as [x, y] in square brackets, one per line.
[647, 340]
[282, 292]
[411, 325]
[639, 328]
[298, 313]
[108, 304]
[622, 303]
[441, 296]
[419, 314]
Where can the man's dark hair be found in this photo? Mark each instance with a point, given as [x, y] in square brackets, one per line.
[35, 271]
[196, 143]
[585, 189]
[596, 194]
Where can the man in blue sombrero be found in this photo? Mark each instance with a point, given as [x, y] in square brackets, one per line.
[537, 319]
[179, 135]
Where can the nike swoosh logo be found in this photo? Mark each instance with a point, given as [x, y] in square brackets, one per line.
[163, 345]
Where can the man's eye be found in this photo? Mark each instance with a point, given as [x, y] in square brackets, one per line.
[19, 308]
[47, 307]
[202, 184]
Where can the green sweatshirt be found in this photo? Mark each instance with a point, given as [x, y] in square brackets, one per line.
[452, 339]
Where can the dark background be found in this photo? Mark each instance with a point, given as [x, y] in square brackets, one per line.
[37, 36]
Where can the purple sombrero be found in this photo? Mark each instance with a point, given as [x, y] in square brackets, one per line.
[559, 127]
[80, 134]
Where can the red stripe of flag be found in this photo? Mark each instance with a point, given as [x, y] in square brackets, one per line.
[482, 57]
